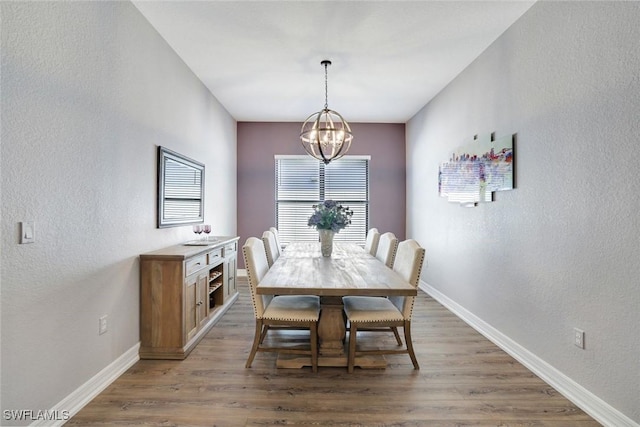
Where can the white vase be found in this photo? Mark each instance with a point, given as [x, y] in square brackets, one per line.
[326, 242]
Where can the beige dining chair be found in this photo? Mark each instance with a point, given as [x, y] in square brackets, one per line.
[393, 312]
[386, 251]
[386, 255]
[371, 244]
[270, 247]
[278, 312]
[276, 233]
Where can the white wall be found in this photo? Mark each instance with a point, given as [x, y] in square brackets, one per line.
[89, 90]
[561, 250]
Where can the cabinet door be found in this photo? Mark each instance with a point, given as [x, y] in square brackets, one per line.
[191, 298]
[230, 276]
[233, 269]
[195, 291]
[202, 304]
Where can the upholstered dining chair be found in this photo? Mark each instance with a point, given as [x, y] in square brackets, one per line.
[386, 251]
[276, 233]
[371, 244]
[392, 312]
[271, 247]
[386, 255]
[278, 312]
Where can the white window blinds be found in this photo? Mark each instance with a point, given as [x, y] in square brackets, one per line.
[302, 182]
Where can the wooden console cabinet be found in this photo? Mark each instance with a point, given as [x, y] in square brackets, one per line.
[184, 290]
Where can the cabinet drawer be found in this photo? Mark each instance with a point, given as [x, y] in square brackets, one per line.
[194, 264]
[214, 256]
[230, 249]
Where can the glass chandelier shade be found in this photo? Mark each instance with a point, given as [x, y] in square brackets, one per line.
[326, 135]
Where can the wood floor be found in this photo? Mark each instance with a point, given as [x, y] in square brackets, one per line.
[464, 380]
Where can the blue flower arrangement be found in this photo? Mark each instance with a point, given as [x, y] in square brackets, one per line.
[329, 215]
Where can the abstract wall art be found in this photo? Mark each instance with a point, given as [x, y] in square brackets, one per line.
[478, 169]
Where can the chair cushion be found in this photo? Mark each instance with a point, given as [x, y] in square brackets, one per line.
[371, 309]
[296, 308]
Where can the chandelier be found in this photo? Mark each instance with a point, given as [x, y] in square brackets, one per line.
[325, 135]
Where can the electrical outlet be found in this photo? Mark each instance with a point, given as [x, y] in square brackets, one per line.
[578, 337]
[102, 322]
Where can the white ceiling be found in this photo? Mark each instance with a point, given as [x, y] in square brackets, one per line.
[261, 59]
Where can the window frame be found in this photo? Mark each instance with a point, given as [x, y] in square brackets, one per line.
[360, 203]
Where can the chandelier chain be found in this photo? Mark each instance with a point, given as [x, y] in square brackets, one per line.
[326, 87]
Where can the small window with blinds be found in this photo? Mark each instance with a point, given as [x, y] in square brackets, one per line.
[302, 182]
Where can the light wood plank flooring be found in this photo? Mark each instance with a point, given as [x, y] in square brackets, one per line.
[464, 380]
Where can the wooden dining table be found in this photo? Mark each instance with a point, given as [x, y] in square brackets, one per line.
[350, 270]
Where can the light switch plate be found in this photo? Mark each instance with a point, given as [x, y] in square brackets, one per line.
[27, 232]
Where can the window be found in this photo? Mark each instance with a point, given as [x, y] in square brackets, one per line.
[302, 181]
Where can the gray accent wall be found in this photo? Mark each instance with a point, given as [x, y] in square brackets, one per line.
[89, 90]
[562, 250]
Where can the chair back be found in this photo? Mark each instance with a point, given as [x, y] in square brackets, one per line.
[371, 244]
[270, 247]
[408, 265]
[386, 251]
[255, 261]
[276, 233]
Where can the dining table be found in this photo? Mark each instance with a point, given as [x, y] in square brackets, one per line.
[350, 270]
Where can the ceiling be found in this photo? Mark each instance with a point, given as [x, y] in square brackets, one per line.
[261, 59]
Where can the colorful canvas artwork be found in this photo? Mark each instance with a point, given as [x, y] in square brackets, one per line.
[476, 170]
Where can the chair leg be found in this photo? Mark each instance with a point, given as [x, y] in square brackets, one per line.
[314, 346]
[397, 335]
[264, 333]
[407, 338]
[256, 342]
[352, 347]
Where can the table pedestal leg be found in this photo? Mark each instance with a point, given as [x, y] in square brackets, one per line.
[332, 330]
[331, 327]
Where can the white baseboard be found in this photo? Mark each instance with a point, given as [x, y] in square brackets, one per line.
[581, 397]
[73, 403]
